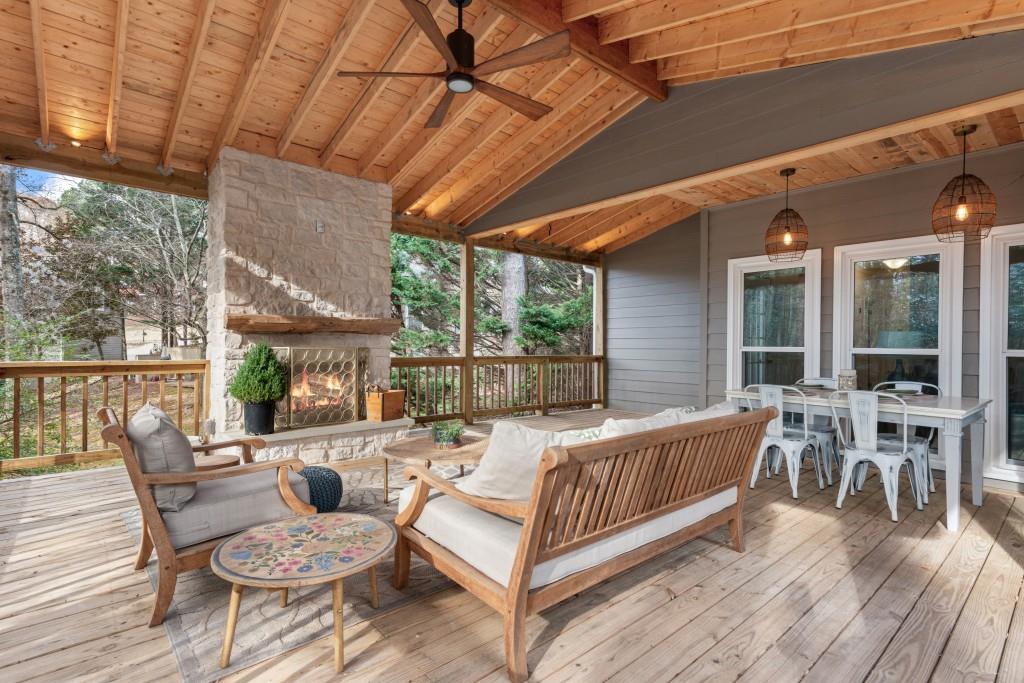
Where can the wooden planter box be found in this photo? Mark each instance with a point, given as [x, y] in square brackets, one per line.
[385, 405]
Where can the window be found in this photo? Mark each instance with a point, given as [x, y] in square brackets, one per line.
[774, 320]
[898, 312]
[1002, 350]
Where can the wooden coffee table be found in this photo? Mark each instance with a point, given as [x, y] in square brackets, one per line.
[302, 551]
[421, 451]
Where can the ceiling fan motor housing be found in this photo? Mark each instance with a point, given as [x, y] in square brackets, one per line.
[462, 45]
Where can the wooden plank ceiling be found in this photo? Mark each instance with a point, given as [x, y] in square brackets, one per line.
[159, 86]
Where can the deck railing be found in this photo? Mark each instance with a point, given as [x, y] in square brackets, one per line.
[48, 408]
[500, 385]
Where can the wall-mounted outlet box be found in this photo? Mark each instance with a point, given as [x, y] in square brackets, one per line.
[318, 226]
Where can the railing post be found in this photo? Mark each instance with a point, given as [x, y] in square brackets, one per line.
[543, 383]
[600, 331]
[467, 325]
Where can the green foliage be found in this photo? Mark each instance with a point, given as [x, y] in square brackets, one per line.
[544, 325]
[261, 377]
[447, 432]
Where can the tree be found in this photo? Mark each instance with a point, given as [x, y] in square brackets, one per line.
[13, 285]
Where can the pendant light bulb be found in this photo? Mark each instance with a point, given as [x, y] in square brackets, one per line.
[961, 209]
[787, 239]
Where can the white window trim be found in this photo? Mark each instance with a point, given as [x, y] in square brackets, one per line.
[992, 345]
[951, 303]
[812, 313]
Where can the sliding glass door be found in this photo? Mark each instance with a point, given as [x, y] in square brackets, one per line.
[1002, 349]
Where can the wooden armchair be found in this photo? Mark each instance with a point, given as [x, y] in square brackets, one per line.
[155, 534]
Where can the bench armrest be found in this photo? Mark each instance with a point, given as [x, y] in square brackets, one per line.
[427, 480]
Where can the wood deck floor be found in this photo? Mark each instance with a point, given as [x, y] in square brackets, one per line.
[821, 595]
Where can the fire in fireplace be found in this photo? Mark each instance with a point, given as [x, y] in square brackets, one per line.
[326, 386]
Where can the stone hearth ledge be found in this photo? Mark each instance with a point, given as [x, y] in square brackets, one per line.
[331, 443]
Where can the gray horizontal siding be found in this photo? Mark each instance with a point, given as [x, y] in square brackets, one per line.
[652, 308]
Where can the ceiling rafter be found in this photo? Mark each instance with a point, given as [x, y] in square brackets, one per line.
[657, 15]
[602, 221]
[537, 85]
[900, 23]
[546, 18]
[259, 53]
[39, 58]
[204, 15]
[116, 79]
[775, 17]
[458, 192]
[372, 87]
[660, 223]
[347, 32]
[574, 10]
[598, 116]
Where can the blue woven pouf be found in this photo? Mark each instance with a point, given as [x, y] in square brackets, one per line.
[324, 488]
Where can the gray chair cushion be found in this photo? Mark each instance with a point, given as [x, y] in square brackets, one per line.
[227, 506]
[161, 447]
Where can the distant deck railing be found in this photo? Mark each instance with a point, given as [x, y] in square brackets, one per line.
[49, 407]
[437, 388]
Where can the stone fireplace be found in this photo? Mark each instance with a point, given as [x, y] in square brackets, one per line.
[289, 241]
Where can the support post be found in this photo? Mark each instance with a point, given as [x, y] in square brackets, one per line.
[599, 334]
[467, 324]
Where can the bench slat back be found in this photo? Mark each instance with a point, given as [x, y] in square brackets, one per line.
[605, 487]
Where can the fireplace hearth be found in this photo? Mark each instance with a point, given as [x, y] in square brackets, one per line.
[325, 386]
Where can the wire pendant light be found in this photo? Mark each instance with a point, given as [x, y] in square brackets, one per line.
[966, 209]
[787, 235]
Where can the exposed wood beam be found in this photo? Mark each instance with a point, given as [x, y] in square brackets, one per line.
[537, 84]
[85, 162]
[546, 17]
[598, 116]
[373, 87]
[309, 324]
[858, 50]
[413, 152]
[347, 32]
[116, 77]
[658, 15]
[440, 230]
[603, 221]
[899, 23]
[260, 49]
[200, 30]
[574, 10]
[563, 104]
[39, 58]
[650, 227]
[775, 17]
[547, 231]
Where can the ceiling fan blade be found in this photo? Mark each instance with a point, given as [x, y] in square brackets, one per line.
[523, 105]
[375, 74]
[543, 50]
[437, 118]
[425, 20]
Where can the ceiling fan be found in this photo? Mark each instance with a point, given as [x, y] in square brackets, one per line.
[463, 74]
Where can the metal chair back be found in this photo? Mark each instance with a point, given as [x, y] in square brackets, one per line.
[864, 409]
[774, 396]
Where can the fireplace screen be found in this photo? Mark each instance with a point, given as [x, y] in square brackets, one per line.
[326, 386]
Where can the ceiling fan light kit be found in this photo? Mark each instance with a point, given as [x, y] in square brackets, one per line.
[458, 49]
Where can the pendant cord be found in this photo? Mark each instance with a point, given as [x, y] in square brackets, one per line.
[787, 193]
[963, 166]
[460, 15]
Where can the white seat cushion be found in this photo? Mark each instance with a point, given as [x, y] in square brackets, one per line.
[489, 542]
[227, 506]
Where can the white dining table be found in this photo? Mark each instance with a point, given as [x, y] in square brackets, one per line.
[951, 415]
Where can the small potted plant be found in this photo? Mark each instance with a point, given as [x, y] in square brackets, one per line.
[447, 435]
[260, 382]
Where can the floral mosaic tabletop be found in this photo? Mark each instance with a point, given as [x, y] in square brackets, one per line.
[303, 551]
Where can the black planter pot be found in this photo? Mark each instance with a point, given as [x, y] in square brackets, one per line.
[259, 418]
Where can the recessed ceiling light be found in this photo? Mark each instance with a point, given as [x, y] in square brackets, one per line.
[76, 143]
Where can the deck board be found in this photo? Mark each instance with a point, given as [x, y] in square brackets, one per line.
[821, 594]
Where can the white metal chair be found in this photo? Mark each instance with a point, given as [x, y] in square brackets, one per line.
[828, 443]
[793, 444]
[918, 444]
[866, 448]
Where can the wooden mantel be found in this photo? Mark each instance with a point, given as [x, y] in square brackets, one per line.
[308, 324]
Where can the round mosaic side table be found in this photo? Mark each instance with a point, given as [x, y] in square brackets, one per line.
[302, 551]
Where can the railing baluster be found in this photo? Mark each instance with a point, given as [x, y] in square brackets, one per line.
[85, 413]
[40, 416]
[179, 379]
[106, 396]
[63, 414]
[145, 387]
[16, 426]
[124, 399]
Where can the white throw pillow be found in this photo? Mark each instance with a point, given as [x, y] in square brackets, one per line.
[161, 447]
[666, 418]
[509, 465]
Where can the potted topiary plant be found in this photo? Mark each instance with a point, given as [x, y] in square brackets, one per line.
[447, 435]
[260, 382]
